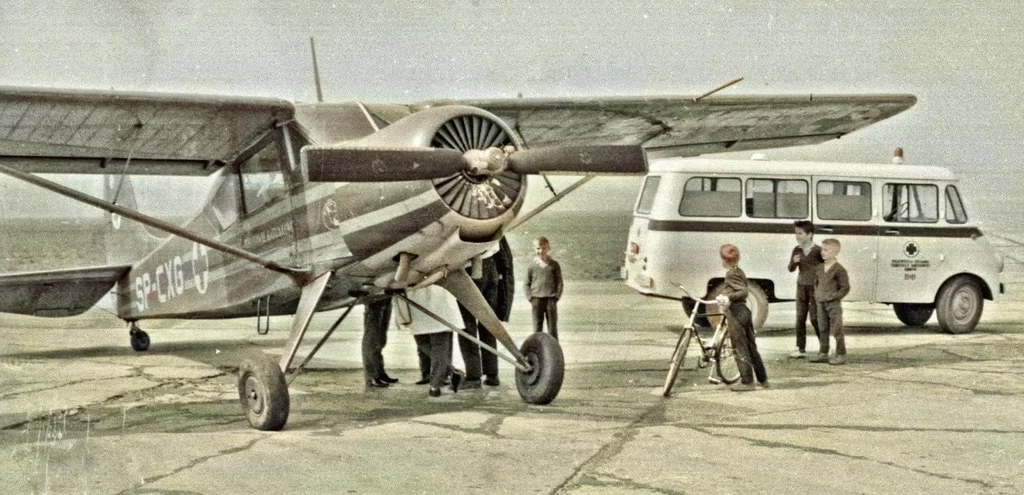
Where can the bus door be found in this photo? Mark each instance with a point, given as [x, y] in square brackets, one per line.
[843, 210]
[910, 246]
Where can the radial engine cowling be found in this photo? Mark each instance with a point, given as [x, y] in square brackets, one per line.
[484, 202]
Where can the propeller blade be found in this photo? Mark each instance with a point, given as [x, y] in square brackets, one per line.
[332, 164]
[580, 160]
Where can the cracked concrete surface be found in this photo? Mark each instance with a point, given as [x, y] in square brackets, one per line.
[915, 411]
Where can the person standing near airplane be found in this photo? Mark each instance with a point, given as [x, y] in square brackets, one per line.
[433, 338]
[544, 287]
[376, 319]
[479, 363]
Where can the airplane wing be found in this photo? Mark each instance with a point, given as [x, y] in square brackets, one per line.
[680, 126]
[57, 293]
[75, 131]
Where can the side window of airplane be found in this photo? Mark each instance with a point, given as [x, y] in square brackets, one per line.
[711, 197]
[776, 198]
[225, 201]
[911, 203]
[262, 178]
[955, 212]
[646, 202]
[843, 200]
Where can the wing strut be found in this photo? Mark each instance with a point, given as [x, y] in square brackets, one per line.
[299, 275]
[521, 219]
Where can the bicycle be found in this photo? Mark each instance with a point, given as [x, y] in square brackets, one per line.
[719, 352]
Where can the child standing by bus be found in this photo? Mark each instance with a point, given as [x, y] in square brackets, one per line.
[831, 286]
[741, 327]
[806, 256]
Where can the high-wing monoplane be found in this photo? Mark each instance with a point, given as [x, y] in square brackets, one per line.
[320, 206]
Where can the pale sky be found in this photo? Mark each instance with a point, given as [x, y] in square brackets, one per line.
[962, 61]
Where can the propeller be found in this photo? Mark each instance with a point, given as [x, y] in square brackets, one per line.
[364, 164]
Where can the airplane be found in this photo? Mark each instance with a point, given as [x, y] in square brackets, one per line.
[319, 206]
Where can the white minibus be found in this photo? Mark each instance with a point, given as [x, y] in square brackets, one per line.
[907, 239]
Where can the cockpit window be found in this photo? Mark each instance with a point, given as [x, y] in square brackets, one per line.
[262, 178]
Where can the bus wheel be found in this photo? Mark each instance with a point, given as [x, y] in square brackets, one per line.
[959, 305]
[913, 315]
[757, 301]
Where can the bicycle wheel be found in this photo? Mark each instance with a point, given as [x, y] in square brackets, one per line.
[677, 361]
[725, 360]
[678, 341]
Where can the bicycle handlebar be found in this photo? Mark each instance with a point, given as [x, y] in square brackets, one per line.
[702, 301]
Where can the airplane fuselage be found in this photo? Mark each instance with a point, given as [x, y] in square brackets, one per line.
[356, 230]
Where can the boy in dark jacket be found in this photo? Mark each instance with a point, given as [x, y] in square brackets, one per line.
[830, 287]
[733, 299]
[806, 256]
[544, 287]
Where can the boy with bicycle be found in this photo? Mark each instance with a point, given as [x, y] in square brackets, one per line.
[733, 301]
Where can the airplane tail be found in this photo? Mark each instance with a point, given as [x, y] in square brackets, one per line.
[126, 241]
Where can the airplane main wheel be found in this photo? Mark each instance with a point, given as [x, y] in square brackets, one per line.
[263, 393]
[542, 383]
[139, 339]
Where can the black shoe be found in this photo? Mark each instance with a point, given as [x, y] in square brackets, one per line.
[456, 380]
[423, 381]
[492, 381]
[377, 383]
[469, 384]
[387, 379]
[434, 392]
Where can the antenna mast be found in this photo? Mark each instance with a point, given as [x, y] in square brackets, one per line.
[316, 72]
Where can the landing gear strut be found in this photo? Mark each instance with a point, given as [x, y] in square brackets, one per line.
[139, 338]
[540, 365]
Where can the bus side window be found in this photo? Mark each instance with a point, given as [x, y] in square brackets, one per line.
[841, 200]
[712, 197]
[955, 212]
[776, 198]
[646, 202]
[911, 203]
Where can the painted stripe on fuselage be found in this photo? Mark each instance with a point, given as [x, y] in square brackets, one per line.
[374, 238]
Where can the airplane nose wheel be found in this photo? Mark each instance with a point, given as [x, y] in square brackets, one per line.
[139, 338]
[263, 393]
[547, 368]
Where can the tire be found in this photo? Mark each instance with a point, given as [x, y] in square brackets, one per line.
[677, 361]
[263, 393]
[757, 301]
[959, 305]
[913, 315]
[725, 361]
[542, 384]
[139, 340]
